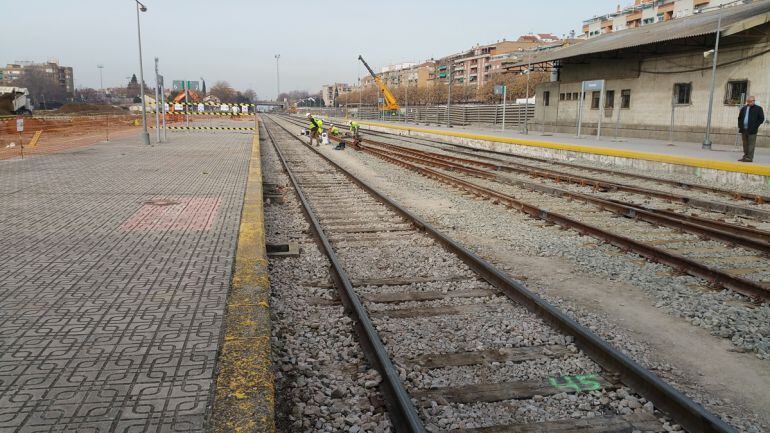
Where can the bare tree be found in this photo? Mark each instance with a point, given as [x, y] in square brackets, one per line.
[250, 95]
[42, 87]
[223, 91]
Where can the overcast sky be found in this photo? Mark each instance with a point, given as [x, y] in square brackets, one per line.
[235, 40]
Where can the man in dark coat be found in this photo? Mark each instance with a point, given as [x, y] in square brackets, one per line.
[749, 120]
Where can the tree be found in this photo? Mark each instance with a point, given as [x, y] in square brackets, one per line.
[223, 91]
[516, 83]
[132, 90]
[42, 87]
[250, 95]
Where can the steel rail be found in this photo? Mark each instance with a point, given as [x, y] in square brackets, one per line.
[687, 413]
[401, 409]
[747, 232]
[756, 198]
[684, 264]
[715, 230]
[610, 185]
[515, 167]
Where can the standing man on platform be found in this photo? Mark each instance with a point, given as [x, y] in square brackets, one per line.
[749, 120]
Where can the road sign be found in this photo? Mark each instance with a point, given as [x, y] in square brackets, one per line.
[593, 85]
[499, 89]
[19, 124]
[178, 85]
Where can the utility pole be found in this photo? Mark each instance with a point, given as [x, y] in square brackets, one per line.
[360, 98]
[163, 104]
[707, 139]
[157, 103]
[145, 134]
[526, 102]
[449, 95]
[277, 78]
[101, 78]
[406, 99]
[186, 104]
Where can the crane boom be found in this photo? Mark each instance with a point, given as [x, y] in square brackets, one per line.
[390, 100]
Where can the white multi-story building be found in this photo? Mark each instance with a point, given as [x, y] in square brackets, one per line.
[644, 12]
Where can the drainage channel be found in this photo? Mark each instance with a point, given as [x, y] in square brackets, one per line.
[429, 312]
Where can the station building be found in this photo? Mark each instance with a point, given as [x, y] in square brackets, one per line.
[658, 77]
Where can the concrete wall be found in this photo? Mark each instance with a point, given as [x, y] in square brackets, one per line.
[651, 82]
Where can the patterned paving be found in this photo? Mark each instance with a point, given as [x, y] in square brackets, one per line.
[115, 263]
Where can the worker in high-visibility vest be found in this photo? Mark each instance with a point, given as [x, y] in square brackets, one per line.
[316, 128]
[334, 131]
[354, 128]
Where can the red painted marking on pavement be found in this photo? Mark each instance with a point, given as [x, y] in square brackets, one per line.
[188, 213]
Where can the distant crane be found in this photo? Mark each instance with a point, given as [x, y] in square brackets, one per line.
[390, 100]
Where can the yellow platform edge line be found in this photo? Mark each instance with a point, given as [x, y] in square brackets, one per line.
[760, 170]
[244, 397]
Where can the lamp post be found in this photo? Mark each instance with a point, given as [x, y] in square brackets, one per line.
[101, 80]
[526, 101]
[707, 138]
[145, 134]
[277, 77]
[449, 94]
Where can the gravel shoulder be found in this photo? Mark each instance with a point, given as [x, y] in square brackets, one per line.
[609, 291]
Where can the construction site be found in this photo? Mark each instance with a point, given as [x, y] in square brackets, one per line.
[561, 232]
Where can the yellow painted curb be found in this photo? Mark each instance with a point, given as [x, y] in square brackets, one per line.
[761, 170]
[244, 395]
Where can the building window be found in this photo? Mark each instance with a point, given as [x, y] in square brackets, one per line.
[595, 97]
[609, 99]
[575, 96]
[562, 97]
[625, 98]
[682, 93]
[737, 92]
[546, 98]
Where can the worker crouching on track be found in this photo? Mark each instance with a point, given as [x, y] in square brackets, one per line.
[316, 128]
[354, 128]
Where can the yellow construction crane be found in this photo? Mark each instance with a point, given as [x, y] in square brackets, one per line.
[390, 100]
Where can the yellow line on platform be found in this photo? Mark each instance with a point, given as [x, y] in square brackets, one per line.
[245, 392]
[761, 170]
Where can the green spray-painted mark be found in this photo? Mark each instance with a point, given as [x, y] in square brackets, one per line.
[577, 383]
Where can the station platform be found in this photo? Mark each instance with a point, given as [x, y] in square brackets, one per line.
[133, 288]
[719, 164]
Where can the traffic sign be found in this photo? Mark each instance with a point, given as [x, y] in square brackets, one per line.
[499, 89]
[19, 124]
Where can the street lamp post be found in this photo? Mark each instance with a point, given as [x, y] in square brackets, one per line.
[277, 77]
[157, 102]
[526, 101]
[145, 134]
[707, 139]
[449, 95]
[101, 79]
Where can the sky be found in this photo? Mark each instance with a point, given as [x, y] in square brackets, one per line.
[236, 40]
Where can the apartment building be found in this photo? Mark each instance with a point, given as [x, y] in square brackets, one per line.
[477, 65]
[14, 73]
[330, 93]
[644, 12]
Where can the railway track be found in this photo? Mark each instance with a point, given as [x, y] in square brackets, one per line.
[459, 345]
[673, 190]
[729, 255]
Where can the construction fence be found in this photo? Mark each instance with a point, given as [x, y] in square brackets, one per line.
[515, 115]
